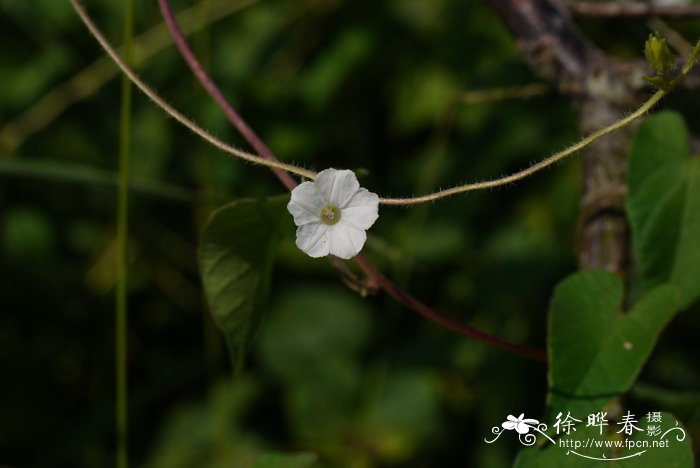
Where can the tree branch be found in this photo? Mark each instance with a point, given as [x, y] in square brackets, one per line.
[603, 96]
[549, 40]
[632, 10]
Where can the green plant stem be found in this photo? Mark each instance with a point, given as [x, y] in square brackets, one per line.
[121, 416]
[174, 113]
[555, 158]
[216, 94]
[67, 173]
[93, 77]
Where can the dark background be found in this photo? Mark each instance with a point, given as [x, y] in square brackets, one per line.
[370, 86]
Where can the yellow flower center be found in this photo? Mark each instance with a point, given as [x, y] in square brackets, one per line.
[330, 214]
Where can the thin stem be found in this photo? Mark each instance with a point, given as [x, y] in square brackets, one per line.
[479, 96]
[214, 91]
[555, 158]
[274, 163]
[51, 170]
[431, 314]
[632, 9]
[91, 78]
[121, 409]
[687, 66]
[375, 276]
[271, 161]
[170, 110]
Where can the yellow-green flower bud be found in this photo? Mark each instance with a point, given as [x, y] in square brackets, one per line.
[658, 54]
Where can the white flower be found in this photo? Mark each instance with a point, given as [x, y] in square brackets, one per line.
[521, 425]
[333, 213]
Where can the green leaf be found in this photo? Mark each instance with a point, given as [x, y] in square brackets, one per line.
[284, 460]
[595, 350]
[677, 453]
[686, 269]
[235, 262]
[664, 206]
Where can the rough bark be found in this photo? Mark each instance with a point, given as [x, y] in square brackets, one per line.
[602, 90]
[550, 43]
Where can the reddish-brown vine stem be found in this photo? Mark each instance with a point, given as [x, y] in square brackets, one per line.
[368, 268]
[208, 84]
[414, 304]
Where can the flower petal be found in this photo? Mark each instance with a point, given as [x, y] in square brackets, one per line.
[305, 204]
[362, 210]
[508, 425]
[314, 239]
[522, 428]
[346, 241]
[336, 187]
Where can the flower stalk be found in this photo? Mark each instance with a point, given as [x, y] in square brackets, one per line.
[121, 299]
[174, 113]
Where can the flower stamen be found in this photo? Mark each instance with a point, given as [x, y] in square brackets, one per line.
[315, 207]
[330, 214]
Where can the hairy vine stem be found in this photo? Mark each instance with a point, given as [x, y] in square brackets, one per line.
[174, 113]
[555, 158]
[376, 277]
[277, 165]
[216, 94]
[269, 160]
[15, 131]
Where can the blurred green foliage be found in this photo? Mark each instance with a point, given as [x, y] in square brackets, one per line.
[359, 382]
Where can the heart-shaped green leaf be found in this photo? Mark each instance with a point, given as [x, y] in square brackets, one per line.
[595, 350]
[235, 261]
[664, 206]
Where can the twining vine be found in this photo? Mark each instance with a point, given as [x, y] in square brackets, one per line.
[375, 279]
